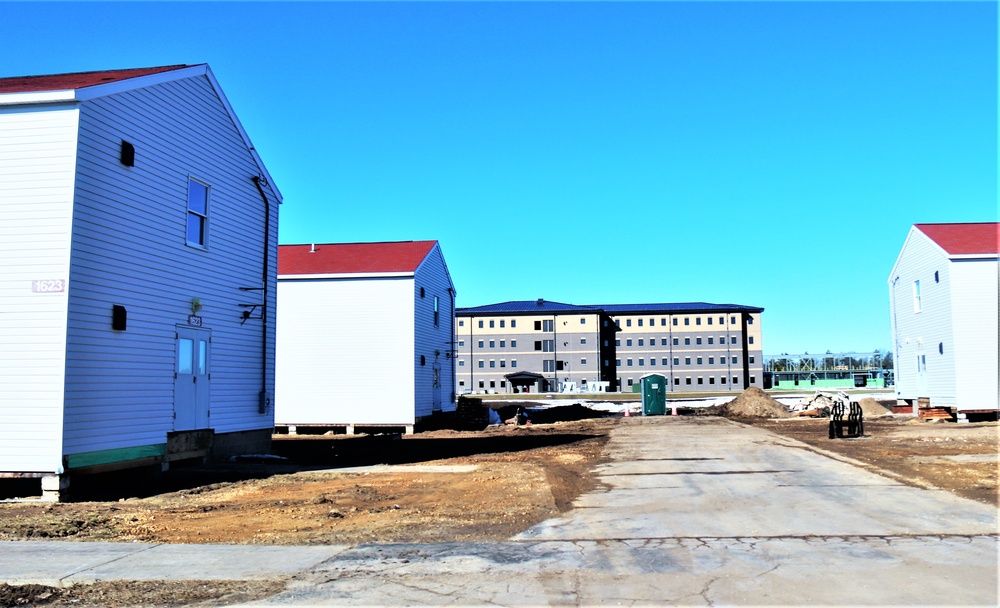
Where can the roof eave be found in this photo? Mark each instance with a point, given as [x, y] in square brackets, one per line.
[38, 97]
[345, 275]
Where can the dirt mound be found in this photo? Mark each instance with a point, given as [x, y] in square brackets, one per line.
[872, 408]
[753, 403]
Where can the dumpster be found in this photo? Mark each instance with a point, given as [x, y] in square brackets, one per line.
[654, 394]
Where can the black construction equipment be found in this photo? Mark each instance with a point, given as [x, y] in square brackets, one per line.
[846, 414]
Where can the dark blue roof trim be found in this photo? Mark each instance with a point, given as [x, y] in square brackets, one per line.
[526, 307]
[689, 307]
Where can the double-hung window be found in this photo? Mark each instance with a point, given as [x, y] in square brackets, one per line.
[197, 215]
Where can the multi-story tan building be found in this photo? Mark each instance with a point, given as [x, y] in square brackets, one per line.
[696, 346]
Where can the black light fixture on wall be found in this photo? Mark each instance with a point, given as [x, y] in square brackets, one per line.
[128, 154]
[119, 317]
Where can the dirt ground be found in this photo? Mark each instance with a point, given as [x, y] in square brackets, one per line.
[510, 478]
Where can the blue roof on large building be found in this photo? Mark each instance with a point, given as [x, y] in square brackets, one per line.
[545, 306]
[526, 306]
[676, 307]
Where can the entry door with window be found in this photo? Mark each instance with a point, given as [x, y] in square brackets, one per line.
[191, 378]
[922, 375]
[436, 395]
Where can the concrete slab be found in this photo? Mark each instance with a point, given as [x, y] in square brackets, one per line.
[67, 563]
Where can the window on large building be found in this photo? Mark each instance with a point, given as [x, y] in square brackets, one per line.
[700, 380]
[503, 363]
[677, 381]
[461, 342]
[687, 341]
[732, 320]
[583, 340]
[711, 360]
[677, 360]
[697, 320]
[503, 343]
[722, 379]
[709, 321]
[711, 379]
[628, 342]
[618, 342]
[630, 382]
[548, 365]
[642, 362]
[753, 379]
[675, 320]
[640, 342]
[538, 345]
[676, 341]
[697, 340]
[480, 324]
[710, 340]
[663, 341]
[461, 323]
[687, 360]
[687, 321]
[493, 344]
[513, 322]
[583, 361]
[493, 363]
[618, 362]
[547, 325]
[734, 360]
[663, 321]
[482, 364]
[583, 320]
[491, 324]
[640, 322]
[749, 339]
[687, 380]
[513, 362]
[699, 360]
[548, 346]
[750, 319]
[502, 322]
[736, 379]
[482, 384]
[751, 359]
[732, 339]
[197, 217]
[628, 362]
[480, 344]
[461, 363]
[513, 343]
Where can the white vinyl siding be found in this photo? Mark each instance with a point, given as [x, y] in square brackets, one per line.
[975, 330]
[129, 248]
[919, 332]
[345, 352]
[37, 162]
[434, 342]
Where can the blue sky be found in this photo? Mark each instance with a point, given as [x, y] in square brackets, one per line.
[769, 154]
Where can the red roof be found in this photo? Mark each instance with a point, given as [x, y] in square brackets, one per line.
[964, 239]
[352, 258]
[78, 80]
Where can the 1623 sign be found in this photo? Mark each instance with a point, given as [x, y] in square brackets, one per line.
[48, 286]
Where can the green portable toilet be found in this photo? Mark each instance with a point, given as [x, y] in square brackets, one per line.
[654, 395]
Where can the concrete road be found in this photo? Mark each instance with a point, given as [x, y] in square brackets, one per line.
[693, 511]
[699, 512]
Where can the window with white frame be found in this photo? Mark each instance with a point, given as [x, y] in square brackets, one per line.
[916, 296]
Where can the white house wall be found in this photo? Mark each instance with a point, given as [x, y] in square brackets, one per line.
[975, 330]
[129, 249]
[345, 352]
[433, 342]
[37, 162]
[920, 333]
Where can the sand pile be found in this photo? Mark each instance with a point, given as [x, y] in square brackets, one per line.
[753, 403]
[872, 408]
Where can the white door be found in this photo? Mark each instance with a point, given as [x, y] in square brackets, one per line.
[922, 375]
[191, 378]
[437, 388]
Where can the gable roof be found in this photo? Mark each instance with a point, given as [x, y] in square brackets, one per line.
[964, 239]
[401, 257]
[81, 86]
[76, 80]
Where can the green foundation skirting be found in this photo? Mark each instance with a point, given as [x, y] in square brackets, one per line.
[89, 459]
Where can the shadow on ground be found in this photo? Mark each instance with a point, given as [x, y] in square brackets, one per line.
[300, 454]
